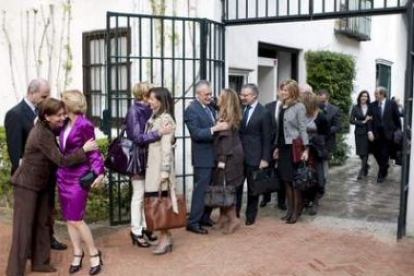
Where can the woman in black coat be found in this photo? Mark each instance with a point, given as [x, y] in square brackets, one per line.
[317, 127]
[359, 118]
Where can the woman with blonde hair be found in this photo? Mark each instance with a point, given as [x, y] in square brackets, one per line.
[317, 127]
[292, 125]
[135, 123]
[72, 195]
[229, 155]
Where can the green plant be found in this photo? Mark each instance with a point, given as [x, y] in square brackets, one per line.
[103, 146]
[334, 72]
[5, 169]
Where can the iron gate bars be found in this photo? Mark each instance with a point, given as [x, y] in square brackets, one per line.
[408, 106]
[173, 52]
[238, 12]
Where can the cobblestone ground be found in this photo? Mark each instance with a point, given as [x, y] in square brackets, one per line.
[353, 235]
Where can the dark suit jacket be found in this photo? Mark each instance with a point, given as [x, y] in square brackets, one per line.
[256, 137]
[271, 107]
[390, 120]
[333, 115]
[199, 124]
[18, 123]
[41, 155]
[356, 118]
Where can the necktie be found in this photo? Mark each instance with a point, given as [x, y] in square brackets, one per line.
[380, 109]
[209, 114]
[36, 111]
[246, 115]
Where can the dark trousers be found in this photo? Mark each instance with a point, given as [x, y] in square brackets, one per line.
[320, 176]
[30, 230]
[51, 202]
[198, 212]
[281, 196]
[252, 201]
[381, 153]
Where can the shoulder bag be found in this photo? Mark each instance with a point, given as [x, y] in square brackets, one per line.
[220, 194]
[159, 213]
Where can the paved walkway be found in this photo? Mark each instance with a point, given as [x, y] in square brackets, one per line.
[354, 235]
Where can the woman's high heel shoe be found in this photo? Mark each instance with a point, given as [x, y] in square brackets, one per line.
[75, 268]
[96, 269]
[150, 236]
[139, 240]
[163, 250]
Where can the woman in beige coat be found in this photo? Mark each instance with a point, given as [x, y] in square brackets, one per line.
[160, 173]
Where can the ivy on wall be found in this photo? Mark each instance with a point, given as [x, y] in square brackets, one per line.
[334, 72]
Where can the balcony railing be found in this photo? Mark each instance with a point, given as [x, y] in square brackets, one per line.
[358, 28]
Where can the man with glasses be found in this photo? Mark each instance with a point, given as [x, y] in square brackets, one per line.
[256, 136]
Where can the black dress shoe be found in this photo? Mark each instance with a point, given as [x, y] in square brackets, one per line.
[208, 223]
[43, 268]
[55, 245]
[380, 179]
[94, 270]
[250, 222]
[282, 206]
[75, 268]
[263, 203]
[197, 230]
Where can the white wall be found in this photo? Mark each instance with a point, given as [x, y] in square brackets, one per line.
[86, 16]
[266, 83]
[388, 42]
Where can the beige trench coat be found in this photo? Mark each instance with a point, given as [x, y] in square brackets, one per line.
[161, 158]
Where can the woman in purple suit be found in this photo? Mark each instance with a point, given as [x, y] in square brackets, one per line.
[72, 196]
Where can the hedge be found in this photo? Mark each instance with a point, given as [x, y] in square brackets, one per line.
[334, 72]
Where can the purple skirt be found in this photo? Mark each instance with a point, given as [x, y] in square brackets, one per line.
[71, 196]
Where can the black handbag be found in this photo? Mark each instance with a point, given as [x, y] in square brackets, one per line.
[304, 177]
[264, 181]
[87, 180]
[120, 153]
[220, 194]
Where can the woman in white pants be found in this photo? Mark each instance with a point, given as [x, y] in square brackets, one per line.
[135, 122]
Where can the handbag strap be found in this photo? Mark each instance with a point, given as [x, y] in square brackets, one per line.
[171, 194]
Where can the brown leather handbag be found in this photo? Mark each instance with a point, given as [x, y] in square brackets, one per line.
[159, 214]
[297, 150]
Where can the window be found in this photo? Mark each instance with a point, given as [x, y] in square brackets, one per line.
[237, 78]
[94, 73]
[358, 28]
[383, 74]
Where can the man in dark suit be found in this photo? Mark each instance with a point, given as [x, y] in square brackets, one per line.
[334, 117]
[18, 122]
[256, 136]
[274, 109]
[200, 120]
[385, 120]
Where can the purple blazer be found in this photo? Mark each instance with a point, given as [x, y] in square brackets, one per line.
[72, 196]
[135, 123]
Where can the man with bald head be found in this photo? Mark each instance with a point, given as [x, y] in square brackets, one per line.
[19, 122]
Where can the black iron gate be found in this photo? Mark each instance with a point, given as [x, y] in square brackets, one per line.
[172, 52]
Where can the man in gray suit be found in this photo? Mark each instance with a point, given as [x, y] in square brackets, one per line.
[200, 120]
